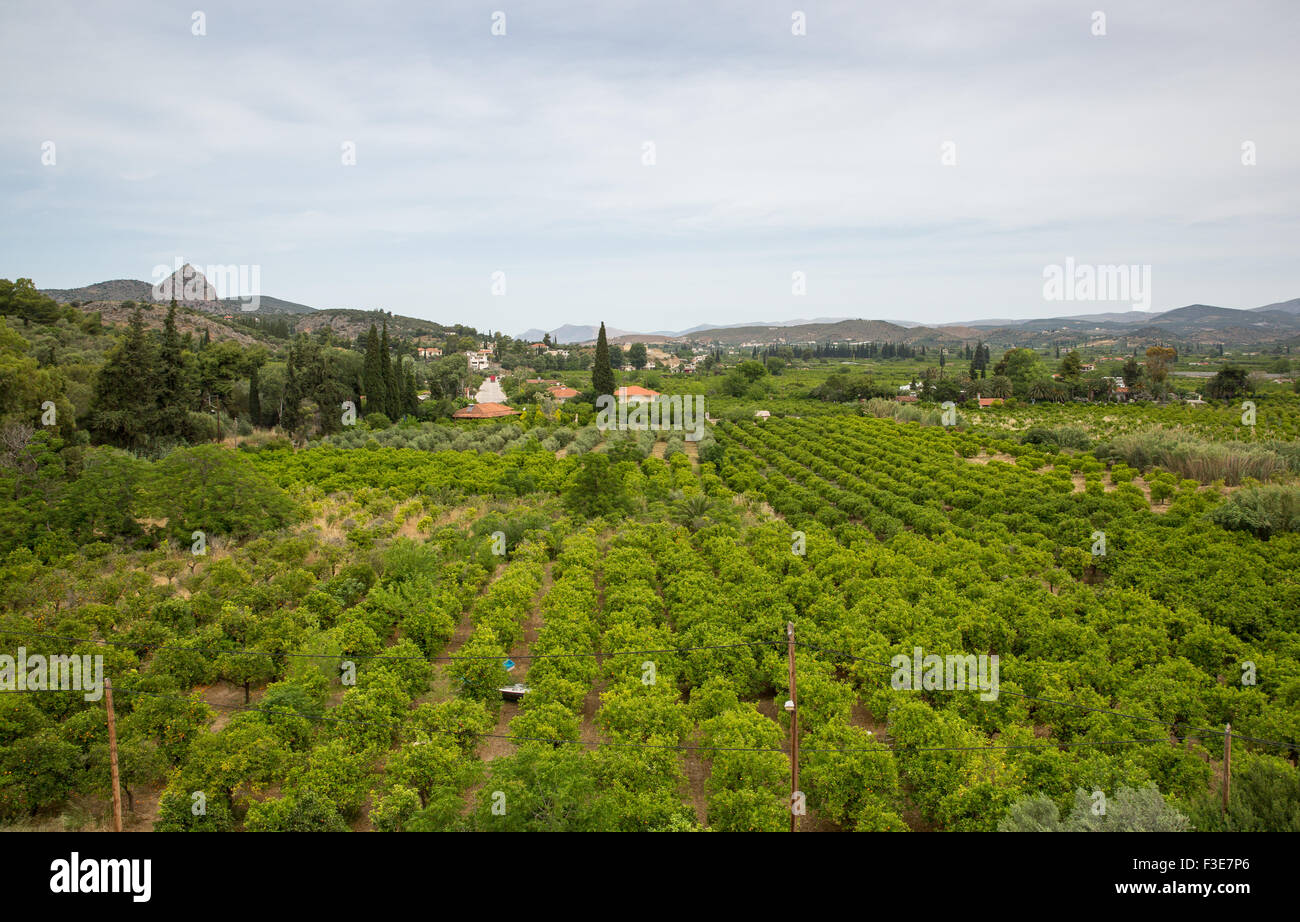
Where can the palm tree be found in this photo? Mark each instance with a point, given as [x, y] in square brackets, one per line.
[1100, 385]
[1040, 390]
[693, 511]
[996, 386]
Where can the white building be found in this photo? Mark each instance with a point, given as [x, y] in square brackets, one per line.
[480, 360]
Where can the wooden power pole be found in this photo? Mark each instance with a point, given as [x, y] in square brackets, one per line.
[793, 707]
[112, 756]
[1227, 764]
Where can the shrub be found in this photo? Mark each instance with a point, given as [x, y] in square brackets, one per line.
[1130, 810]
[308, 812]
[1264, 511]
[1196, 458]
[1265, 797]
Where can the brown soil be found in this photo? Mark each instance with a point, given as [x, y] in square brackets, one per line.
[697, 773]
[494, 747]
[985, 459]
[589, 734]
[862, 718]
[440, 688]
[226, 699]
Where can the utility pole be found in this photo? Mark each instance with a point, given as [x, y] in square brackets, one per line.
[792, 707]
[1227, 765]
[112, 756]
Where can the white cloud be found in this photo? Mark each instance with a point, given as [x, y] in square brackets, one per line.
[773, 152]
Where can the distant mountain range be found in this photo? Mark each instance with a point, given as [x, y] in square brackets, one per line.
[1199, 323]
[1196, 323]
[582, 333]
[188, 284]
[194, 291]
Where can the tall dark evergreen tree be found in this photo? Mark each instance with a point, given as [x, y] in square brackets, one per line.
[979, 361]
[173, 402]
[602, 376]
[318, 385]
[389, 403]
[398, 396]
[372, 375]
[412, 398]
[124, 408]
[291, 411]
[254, 398]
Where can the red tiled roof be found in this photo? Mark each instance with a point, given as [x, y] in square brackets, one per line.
[484, 411]
[563, 393]
[634, 390]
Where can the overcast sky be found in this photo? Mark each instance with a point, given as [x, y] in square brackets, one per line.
[774, 153]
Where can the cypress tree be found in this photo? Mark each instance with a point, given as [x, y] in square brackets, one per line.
[171, 398]
[372, 375]
[254, 398]
[388, 391]
[602, 376]
[317, 385]
[412, 398]
[398, 395]
[291, 414]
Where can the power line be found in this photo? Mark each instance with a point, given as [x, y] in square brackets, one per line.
[498, 736]
[842, 653]
[881, 747]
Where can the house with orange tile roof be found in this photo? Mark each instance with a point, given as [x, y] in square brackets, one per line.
[484, 411]
[635, 394]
